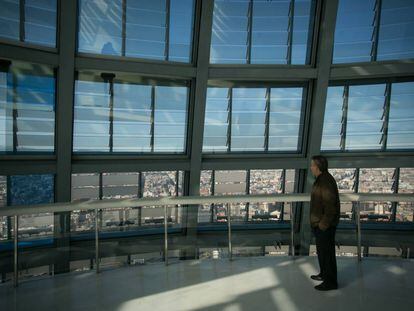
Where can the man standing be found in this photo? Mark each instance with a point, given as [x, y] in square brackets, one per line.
[324, 217]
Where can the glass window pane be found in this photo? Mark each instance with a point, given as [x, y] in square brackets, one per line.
[144, 118]
[265, 182]
[354, 31]
[285, 119]
[216, 119]
[10, 19]
[132, 117]
[364, 120]
[27, 111]
[33, 189]
[345, 179]
[91, 116]
[40, 22]
[229, 37]
[331, 137]
[157, 29]
[230, 183]
[261, 31]
[170, 118]
[181, 30]
[376, 180]
[405, 210]
[100, 26]
[84, 187]
[396, 35]
[146, 29]
[401, 118]
[248, 119]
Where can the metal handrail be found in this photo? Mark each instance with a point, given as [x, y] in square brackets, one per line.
[96, 205]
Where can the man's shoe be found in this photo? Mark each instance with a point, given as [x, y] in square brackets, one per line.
[325, 286]
[317, 277]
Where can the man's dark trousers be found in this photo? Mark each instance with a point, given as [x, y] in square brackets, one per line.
[325, 247]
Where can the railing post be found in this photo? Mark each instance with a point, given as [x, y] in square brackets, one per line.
[292, 232]
[229, 231]
[165, 235]
[358, 223]
[96, 240]
[16, 251]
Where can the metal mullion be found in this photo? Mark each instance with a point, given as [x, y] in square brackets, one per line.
[152, 117]
[212, 206]
[290, 32]
[167, 29]
[267, 119]
[22, 9]
[8, 196]
[99, 211]
[247, 192]
[177, 180]
[344, 118]
[355, 189]
[229, 118]
[140, 186]
[395, 188]
[375, 34]
[385, 117]
[111, 117]
[249, 32]
[14, 112]
[124, 8]
[283, 189]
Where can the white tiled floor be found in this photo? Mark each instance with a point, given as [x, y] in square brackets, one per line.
[255, 283]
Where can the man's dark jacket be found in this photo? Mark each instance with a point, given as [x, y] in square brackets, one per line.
[324, 204]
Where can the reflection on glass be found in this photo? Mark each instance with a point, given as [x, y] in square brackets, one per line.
[157, 29]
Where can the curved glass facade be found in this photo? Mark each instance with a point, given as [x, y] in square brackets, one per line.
[130, 99]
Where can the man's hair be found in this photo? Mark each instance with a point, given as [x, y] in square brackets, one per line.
[321, 162]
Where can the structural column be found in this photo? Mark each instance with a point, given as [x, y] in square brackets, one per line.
[197, 122]
[64, 119]
[324, 54]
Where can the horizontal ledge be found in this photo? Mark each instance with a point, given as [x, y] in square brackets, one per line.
[139, 67]
[29, 54]
[388, 69]
[190, 200]
[262, 73]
